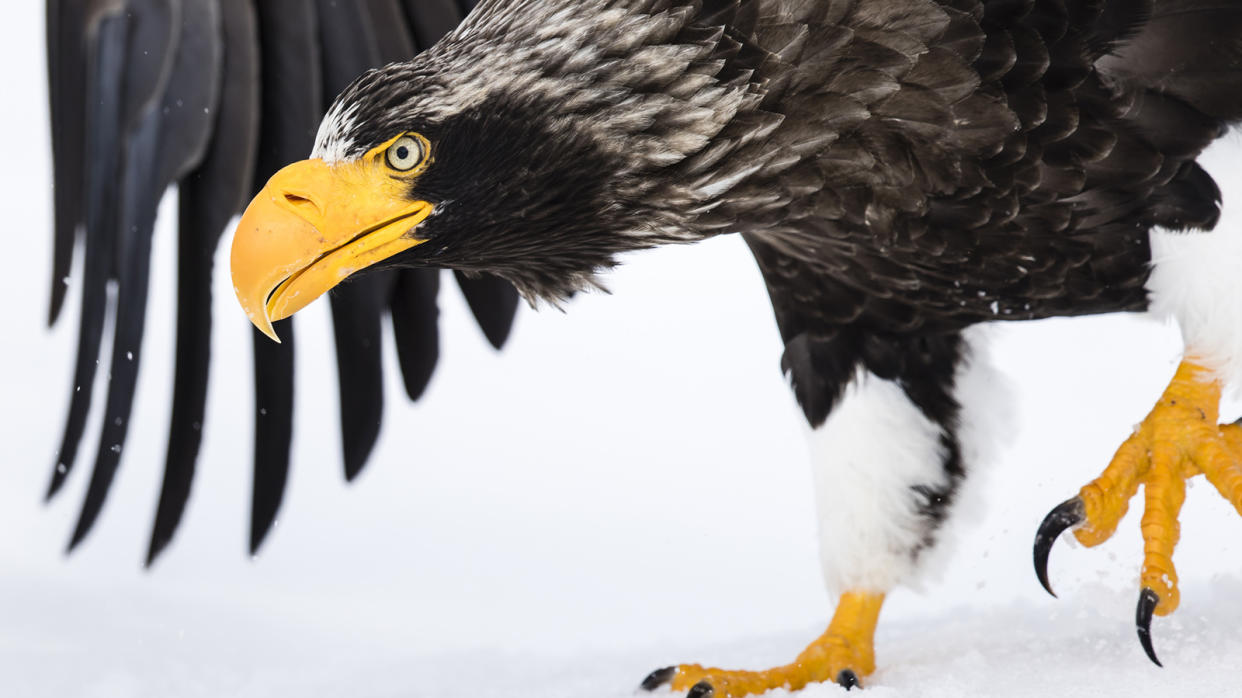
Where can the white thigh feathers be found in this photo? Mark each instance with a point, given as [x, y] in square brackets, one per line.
[876, 459]
[1196, 280]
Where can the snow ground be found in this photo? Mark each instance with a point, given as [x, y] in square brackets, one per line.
[624, 488]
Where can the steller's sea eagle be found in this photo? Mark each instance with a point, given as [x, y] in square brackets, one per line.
[901, 169]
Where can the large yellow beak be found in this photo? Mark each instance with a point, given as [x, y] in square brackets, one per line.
[312, 226]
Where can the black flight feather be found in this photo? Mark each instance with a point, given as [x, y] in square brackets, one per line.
[168, 139]
[290, 101]
[105, 121]
[349, 49]
[124, 129]
[66, 63]
[273, 428]
[209, 197]
[415, 327]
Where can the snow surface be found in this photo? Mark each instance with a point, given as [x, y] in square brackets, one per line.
[626, 487]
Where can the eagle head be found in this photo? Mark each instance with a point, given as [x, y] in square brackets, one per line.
[537, 159]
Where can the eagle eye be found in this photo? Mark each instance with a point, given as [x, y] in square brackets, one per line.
[407, 152]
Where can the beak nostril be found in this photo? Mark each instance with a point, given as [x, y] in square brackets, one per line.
[301, 204]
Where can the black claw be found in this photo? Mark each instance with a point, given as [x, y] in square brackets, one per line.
[1142, 618]
[1066, 514]
[702, 689]
[847, 678]
[658, 678]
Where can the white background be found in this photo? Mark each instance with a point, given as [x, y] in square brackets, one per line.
[625, 487]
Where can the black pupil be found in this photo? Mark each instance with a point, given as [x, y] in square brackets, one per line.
[403, 152]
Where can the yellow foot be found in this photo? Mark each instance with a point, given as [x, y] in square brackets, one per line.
[1179, 439]
[844, 653]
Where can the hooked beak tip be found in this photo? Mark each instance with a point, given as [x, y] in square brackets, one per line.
[267, 329]
[263, 323]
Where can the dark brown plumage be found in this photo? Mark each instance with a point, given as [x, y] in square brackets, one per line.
[901, 168]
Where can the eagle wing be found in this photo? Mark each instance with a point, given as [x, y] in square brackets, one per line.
[213, 96]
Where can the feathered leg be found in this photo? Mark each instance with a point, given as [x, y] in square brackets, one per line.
[889, 464]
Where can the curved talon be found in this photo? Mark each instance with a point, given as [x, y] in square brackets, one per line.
[847, 678]
[1142, 618]
[702, 689]
[1066, 514]
[658, 678]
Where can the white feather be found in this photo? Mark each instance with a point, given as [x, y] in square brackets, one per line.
[330, 143]
[875, 446]
[1196, 280]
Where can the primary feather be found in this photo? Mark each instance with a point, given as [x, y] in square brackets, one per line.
[212, 95]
